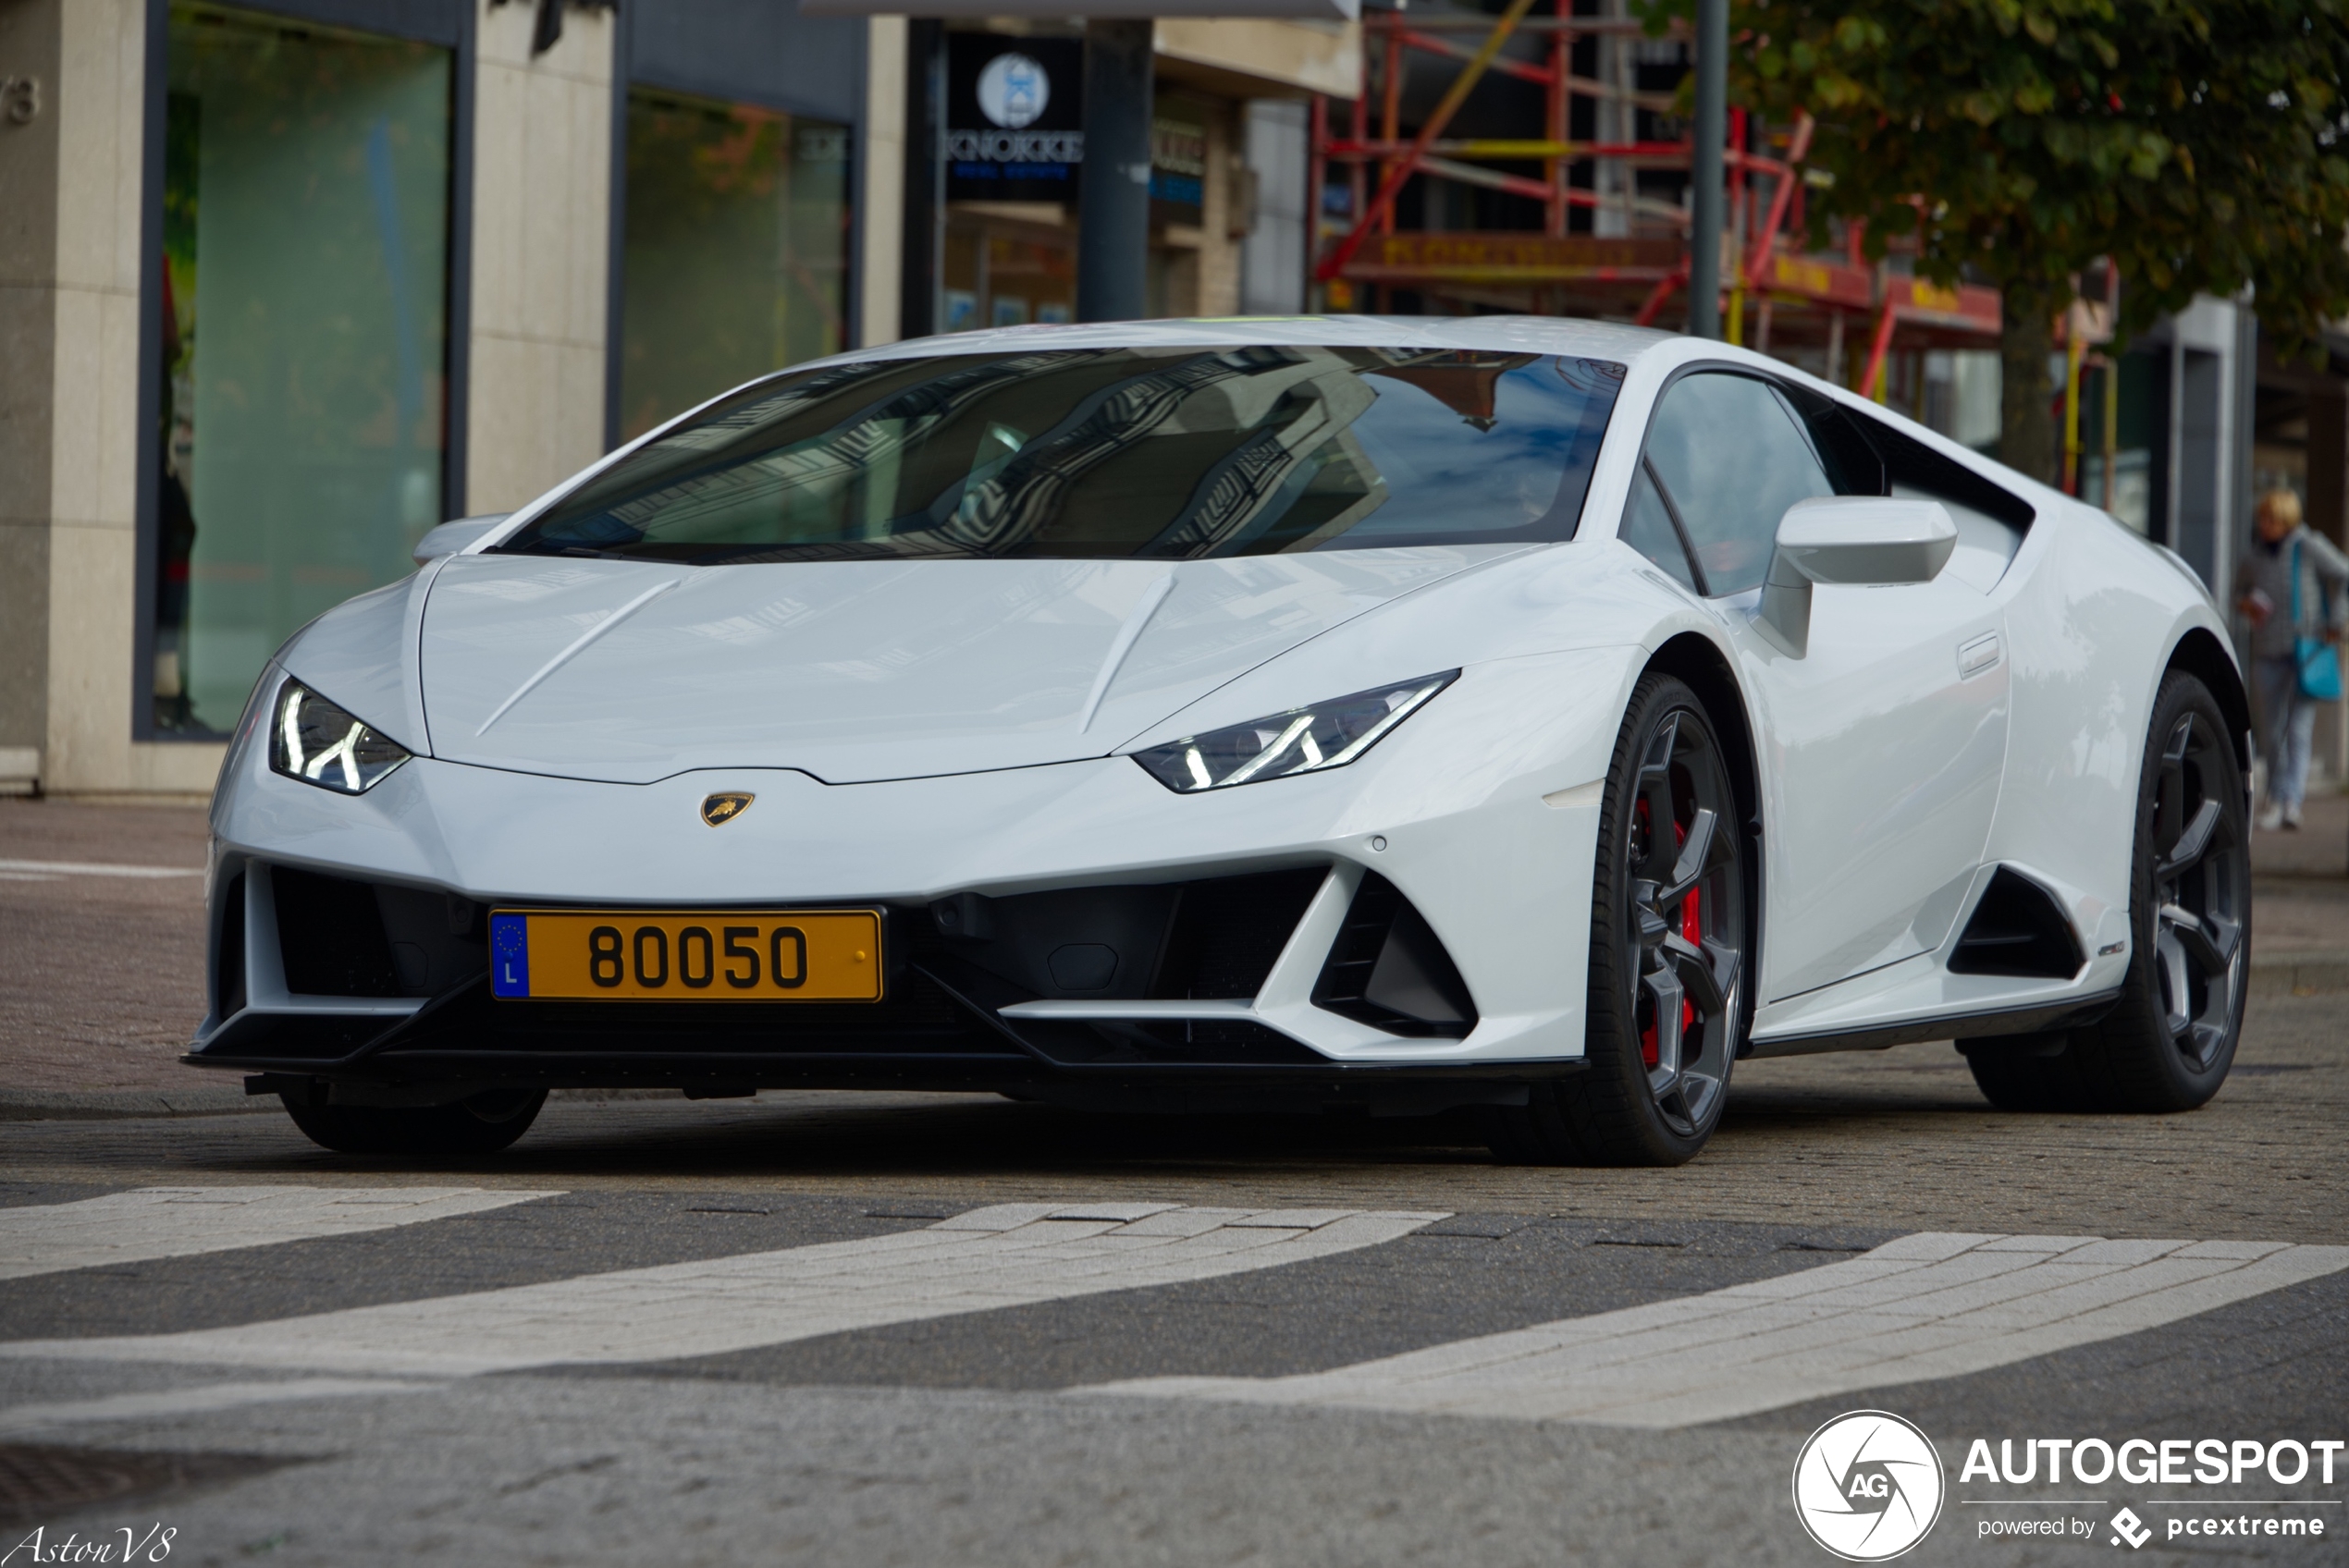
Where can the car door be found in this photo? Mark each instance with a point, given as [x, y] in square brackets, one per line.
[1881, 748]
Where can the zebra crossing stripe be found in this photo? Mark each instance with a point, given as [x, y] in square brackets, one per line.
[1011, 1255]
[157, 1222]
[1925, 1307]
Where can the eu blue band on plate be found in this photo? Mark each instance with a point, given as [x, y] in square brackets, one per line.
[510, 955]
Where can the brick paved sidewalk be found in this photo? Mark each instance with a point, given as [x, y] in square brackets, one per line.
[2300, 903]
[2318, 848]
[101, 977]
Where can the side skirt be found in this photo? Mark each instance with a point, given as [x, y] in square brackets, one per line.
[2068, 1013]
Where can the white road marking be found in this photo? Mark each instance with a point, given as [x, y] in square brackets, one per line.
[44, 869]
[1926, 1307]
[1013, 1255]
[197, 1400]
[180, 1221]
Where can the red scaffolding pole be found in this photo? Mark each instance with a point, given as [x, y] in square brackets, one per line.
[1635, 267]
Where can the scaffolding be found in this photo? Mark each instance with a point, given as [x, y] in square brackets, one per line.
[1626, 257]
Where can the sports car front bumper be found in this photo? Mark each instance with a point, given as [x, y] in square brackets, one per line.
[1477, 819]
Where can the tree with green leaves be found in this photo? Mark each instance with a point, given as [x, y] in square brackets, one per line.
[2203, 145]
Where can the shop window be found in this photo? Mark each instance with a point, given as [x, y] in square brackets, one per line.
[305, 241]
[1178, 205]
[2137, 492]
[737, 250]
[1006, 271]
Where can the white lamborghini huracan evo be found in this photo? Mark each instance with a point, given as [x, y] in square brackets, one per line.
[1532, 716]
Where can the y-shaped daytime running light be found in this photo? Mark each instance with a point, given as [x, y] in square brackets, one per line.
[319, 743]
[1310, 740]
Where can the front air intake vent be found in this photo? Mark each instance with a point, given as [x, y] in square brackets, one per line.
[228, 952]
[331, 936]
[2019, 929]
[1228, 932]
[1388, 970]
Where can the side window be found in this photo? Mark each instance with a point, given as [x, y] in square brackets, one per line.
[1991, 518]
[1853, 465]
[1649, 529]
[1731, 458]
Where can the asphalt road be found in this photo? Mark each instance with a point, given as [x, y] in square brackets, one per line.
[876, 1329]
[967, 1413]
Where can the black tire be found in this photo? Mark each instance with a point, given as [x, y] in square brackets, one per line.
[2024, 1072]
[2168, 1042]
[484, 1124]
[1652, 1094]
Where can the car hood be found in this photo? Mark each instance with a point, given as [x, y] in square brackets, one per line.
[856, 671]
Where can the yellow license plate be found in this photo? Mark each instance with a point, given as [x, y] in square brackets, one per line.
[808, 955]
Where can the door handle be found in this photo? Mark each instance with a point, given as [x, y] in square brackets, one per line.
[1977, 655]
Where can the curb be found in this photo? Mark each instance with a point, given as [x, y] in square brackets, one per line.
[125, 1105]
[111, 1105]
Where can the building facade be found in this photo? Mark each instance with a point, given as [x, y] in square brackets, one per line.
[285, 283]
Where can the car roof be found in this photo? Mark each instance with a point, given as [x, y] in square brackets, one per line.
[1519, 334]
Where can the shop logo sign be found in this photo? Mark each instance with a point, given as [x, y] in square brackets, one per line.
[1014, 113]
[2127, 1526]
[1867, 1486]
[1012, 91]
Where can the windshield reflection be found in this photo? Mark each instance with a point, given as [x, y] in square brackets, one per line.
[1109, 453]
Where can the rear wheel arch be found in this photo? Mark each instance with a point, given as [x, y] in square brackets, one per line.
[2201, 654]
[2170, 1037]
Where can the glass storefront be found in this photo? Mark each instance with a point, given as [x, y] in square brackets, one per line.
[1010, 262]
[1006, 272]
[304, 338]
[735, 257]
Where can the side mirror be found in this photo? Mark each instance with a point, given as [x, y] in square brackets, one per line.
[451, 537]
[1853, 541]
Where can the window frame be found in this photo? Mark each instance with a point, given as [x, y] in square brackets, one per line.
[1778, 385]
[1990, 497]
[2005, 505]
[446, 24]
[1672, 511]
[717, 74]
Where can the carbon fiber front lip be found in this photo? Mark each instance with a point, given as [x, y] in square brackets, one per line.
[990, 1050]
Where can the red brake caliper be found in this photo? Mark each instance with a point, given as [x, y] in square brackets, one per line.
[1690, 929]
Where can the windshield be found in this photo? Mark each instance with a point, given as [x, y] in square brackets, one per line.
[1105, 453]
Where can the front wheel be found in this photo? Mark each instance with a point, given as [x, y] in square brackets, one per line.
[1670, 934]
[482, 1124]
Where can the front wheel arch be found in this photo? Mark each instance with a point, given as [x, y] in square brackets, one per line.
[1655, 1076]
[1700, 664]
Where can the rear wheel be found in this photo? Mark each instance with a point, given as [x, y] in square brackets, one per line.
[1669, 939]
[482, 1124]
[2168, 1041]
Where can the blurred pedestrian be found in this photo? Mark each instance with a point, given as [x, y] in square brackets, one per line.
[2293, 588]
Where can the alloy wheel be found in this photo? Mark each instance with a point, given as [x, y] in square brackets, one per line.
[1686, 920]
[2199, 891]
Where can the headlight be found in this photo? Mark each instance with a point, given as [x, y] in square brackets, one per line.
[317, 742]
[1301, 740]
